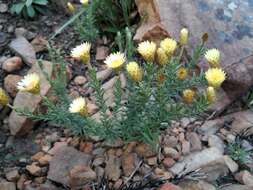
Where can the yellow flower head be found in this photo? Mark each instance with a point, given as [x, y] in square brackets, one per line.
[188, 96]
[162, 57]
[30, 83]
[215, 77]
[169, 45]
[213, 57]
[79, 106]
[184, 36]
[115, 60]
[4, 99]
[134, 71]
[84, 2]
[182, 73]
[211, 94]
[82, 52]
[147, 49]
[71, 7]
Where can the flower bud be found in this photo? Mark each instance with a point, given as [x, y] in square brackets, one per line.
[184, 36]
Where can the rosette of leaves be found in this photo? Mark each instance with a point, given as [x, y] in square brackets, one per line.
[29, 8]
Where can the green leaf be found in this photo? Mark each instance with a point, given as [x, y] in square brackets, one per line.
[30, 11]
[28, 3]
[40, 2]
[17, 8]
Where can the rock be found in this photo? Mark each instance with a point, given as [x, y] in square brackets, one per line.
[39, 44]
[44, 160]
[48, 186]
[10, 84]
[211, 127]
[104, 74]
[152, 161]
[3, 8]
[24, 49]
[21, 181]
[118, 184]
[144, 150]
[7, 186]
[162, 174]
[168, 162]
[24, 33]
[101, 53]
[236, 187]
[64, 160]
[80, 80]
[215, 141]
[169, 186]
[33, 169]
[92, 108]
[128, 163]
[194, 140]
[185, 122]
[170, 141]
[171, 152]
[185, 147]
[98, 161]
[113, 144]
[10, 29]
[37, 156]
[12, 64]
[112, 169]
[81, 175]
[86, 147]
[245, 178]
[12, 176]
[246, 145]
[196, 185]
[20, 125]
[196, 160]
[231, 164]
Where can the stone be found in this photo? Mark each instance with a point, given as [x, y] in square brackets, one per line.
[44, 160]
[21, 181]
[12, 64]
[39, 44]
[33, 169]
[236, 187]
[98, 161]
[92, 108]
[118, 184]
[7, 185]
[86, 147]
[195, 161]
[104, 74]
[215, 141]
[101, 53]
[152, 161]
[24, 33]
[169, 186]
[10, 84]
[128, 163]
[231, 164]
[245, 178]
[24, 49]
[37, 156]
[196, 185]
[168, 162]
[195, 141]
[12, 176]
[20, 125]
[80, 80]
[170, 141]
[48, 186]
[63, 161]
[3, 8]
[185, 147]
[171, 152]
[112, 169]
[162, 174]
[81, 175]
[144, 150]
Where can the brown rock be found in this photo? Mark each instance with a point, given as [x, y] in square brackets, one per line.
[80, 80]
[196, 185]
[7, 185]
[152, 161]
[128, 163]
[86, 147]
[40, 180]
[168, 162]
[118, 184]
[185, 147]
[33, 169]
[101, 53]
[64, 160]
[21, 181]
[104, 74]
[20, 125]
[161, 174]
[144, 150]
[24, 49]
[245, 178]
[37, 156]
[171, 152]
[44, 160]
[10, 84]
[92, 108]
[39, 44]
[194, 140]
[169, 186]
[112, 169]
[12, 64]
[81, 175]
[236, 187]
[12, 176]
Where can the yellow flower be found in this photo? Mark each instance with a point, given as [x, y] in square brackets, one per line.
[134, 71]
[211, 94]
[213, 57]
[184, 36]
[84, 2]
[188, 96]
[4, 99]
[115, 60]
[162, 57]
[79, 106]
[30, 83]
[182, 73]
[147, 49]
[169, 45]
[215, 77]
[82, 52]
[71, 7]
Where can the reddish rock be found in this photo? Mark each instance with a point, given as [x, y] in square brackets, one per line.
[144, 150]
[128, 163]
[33, 169]
[37, 156]
[80, 80]
[169, 186]
[44, 160]
[245, 178]
[12, 64]
[168, 162]
[10, 84]
[86, 147]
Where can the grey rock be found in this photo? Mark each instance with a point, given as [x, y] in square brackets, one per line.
[64, 160]
[215, 141]
[7, 185]
[24, 49]
[236, 187]
[3, 8]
